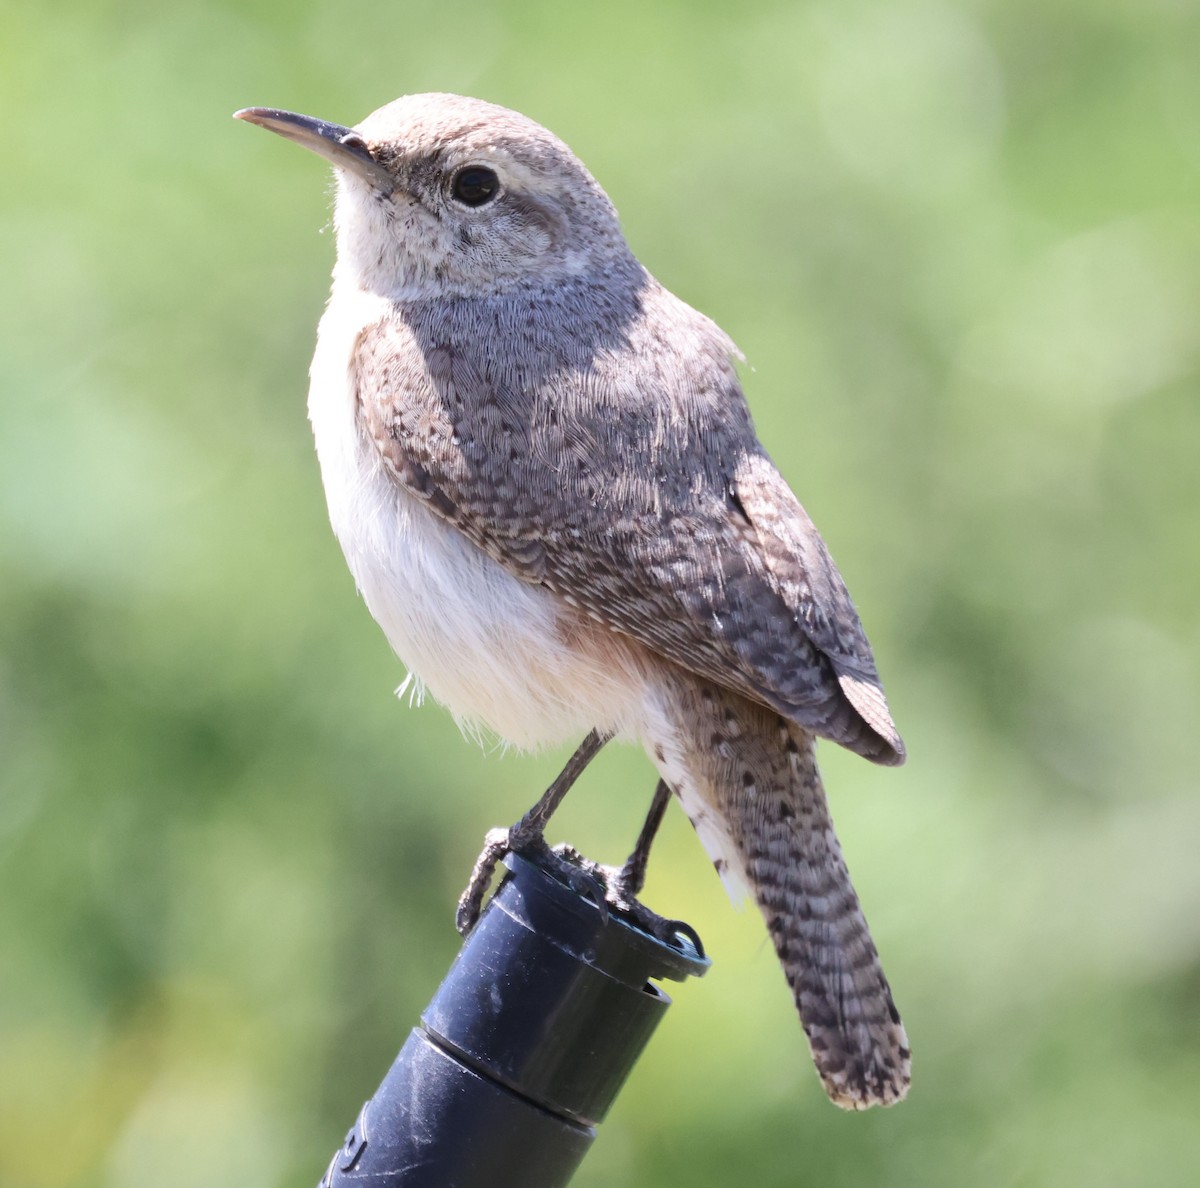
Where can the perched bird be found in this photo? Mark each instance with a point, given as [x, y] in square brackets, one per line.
[544, 476]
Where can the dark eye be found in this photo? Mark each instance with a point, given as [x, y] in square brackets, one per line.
[475, 185]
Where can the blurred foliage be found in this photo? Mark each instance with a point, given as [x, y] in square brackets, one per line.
[959, 244]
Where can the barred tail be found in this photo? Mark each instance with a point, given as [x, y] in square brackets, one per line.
[749, 781]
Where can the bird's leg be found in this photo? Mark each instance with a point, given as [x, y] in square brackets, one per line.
[626, 883]
[623, 884]
[526, 836]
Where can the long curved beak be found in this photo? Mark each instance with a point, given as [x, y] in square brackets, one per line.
[344, 147]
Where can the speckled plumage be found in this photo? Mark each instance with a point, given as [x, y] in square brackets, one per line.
[544, 475]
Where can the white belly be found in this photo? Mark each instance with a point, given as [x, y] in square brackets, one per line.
[491, 648]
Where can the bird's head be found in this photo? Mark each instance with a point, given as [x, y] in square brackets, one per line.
[440, 195]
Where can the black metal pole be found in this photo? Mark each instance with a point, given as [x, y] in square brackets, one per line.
[523, 1049]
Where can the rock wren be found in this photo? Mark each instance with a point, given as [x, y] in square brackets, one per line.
[544, 476]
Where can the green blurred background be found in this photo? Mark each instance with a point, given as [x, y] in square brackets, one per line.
[960, 247]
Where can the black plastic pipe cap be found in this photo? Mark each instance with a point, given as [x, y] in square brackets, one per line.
[524, 1047]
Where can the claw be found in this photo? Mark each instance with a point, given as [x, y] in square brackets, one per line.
[525, 837]
[497, 843]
